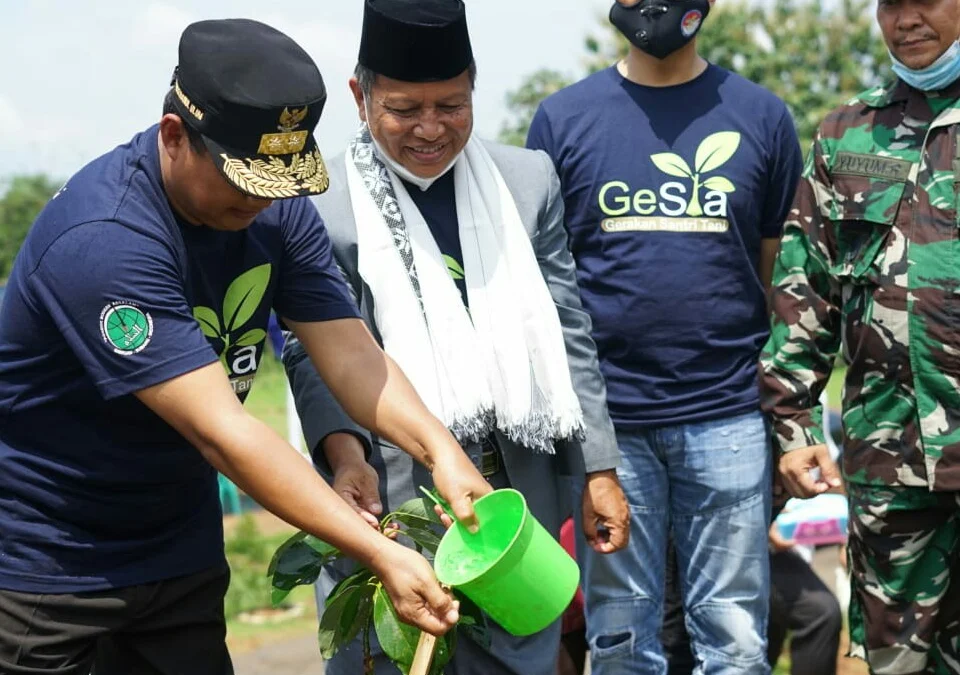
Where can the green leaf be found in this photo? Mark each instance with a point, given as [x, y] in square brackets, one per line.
[251, 338]
[362, 616]
[244, 295]
[473, 622]
[671, 164]
[361, 576]
[208, 320]
[297, 562]
[720, 184]
[422, 523]
[469, 610]
[427, 539]
[399, 640]
[280, 552]
[444, 651]
[716, 149]
[278, 595]
[416, 512]
[456, 271]
[344, 617]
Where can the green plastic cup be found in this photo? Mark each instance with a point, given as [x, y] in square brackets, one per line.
[511, 568]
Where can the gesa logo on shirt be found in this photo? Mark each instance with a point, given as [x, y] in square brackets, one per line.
[125, 327]
[239, 349]
[676, 206]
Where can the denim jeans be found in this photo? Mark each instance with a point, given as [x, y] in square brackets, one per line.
[708, 483]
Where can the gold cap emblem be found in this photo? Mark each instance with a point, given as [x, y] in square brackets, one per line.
[291, 119]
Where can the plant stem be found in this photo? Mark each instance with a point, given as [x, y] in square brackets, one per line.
[367, 656]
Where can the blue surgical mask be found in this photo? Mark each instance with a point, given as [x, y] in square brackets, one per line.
[938, 75]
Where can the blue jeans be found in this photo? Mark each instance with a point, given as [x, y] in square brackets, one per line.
[710, 484]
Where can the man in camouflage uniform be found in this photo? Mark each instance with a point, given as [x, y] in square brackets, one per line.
[870, 264]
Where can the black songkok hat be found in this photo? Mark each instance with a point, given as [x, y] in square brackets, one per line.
[415, 40]
[255, 96]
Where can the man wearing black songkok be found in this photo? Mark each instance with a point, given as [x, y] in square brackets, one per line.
[456, 253]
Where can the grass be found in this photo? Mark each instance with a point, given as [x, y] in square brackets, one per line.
[268, 396]
[249, 549]
[243, 637]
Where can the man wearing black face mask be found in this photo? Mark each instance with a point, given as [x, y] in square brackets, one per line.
[677, 177]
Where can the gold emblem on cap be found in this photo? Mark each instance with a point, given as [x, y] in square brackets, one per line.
[274, 179]
[283, 144]
[291, 119]
[289, 141]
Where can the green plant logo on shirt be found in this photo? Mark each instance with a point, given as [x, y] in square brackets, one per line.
[240, 347]
[453, 267]
[699, 203]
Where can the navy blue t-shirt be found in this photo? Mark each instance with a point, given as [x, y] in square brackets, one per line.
[438, 206]
[111, 294]
[668, 193]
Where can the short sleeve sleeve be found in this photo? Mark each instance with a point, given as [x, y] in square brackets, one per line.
[311, 285]
[540, 136]
[785, 166]
[117, 298]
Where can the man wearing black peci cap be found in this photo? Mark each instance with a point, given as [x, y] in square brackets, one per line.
[131, 331]
[456, 252]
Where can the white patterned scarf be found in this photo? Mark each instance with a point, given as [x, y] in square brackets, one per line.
[503, 365]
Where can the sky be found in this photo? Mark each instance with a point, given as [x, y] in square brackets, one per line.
[78, 77]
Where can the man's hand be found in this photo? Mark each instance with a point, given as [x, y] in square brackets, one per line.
[606, 514]
[777, 543]
[415, 591]
[458, 481]
[795, 469]
[378, 396]
[353, 479]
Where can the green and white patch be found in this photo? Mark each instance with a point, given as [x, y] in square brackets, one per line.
[125, 327]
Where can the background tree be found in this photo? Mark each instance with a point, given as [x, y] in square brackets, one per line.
[812, 56]
[523, 102]
[24, 198]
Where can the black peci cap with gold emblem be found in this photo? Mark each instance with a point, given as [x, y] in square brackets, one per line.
[255, 96]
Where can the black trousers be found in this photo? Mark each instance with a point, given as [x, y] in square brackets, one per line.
[172, 627]
[802, 604]
[799, 603]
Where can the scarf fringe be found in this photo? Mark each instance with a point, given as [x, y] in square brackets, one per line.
[538, 432]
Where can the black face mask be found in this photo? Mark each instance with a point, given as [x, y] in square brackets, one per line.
[660, 27]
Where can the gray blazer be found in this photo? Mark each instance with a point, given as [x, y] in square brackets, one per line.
[532, 181]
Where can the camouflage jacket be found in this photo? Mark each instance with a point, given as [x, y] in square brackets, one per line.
[870, 265]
